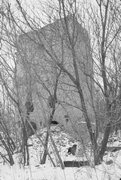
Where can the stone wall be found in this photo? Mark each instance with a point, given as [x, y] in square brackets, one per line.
[39, 51]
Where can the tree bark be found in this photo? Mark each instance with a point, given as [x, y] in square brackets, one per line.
[45, 149]
[102, 150]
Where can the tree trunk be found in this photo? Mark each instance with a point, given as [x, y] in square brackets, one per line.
[47, 137]
[103, 147]
[57, 153]
[45, 149]
[25, 146]
[87, 120]
[11, 161]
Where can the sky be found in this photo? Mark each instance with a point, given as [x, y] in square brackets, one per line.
[40, 8]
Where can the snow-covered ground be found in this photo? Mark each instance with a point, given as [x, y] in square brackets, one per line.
[110, 169]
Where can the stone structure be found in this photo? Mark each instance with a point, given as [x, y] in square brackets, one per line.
[39, 52]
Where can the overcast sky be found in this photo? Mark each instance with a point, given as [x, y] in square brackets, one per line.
[40, 8]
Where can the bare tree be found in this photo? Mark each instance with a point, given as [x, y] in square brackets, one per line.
[105, 32]
[67, 39]
[97, 63]
[24, 106]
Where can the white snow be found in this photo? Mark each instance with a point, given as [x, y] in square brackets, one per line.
[101, 172]
[35, 171]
